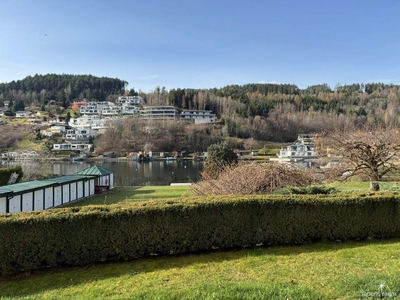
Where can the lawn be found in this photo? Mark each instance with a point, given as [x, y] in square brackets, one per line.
[140, 193]
[351, 270]
[127, 194]
[354, 186]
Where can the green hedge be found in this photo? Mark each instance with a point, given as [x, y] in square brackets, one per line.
[83, 235]
[5, 174]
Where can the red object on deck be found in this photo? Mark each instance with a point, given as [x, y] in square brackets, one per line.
[100, 189]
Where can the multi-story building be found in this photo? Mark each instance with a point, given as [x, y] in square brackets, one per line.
[302, 148]
[135, 100]
[110, 111]
[77, 104]
[159, 112]
[129, 109]
[199, 116]
[72, 147]
[95, 108]
[80, 134]
[89, 110]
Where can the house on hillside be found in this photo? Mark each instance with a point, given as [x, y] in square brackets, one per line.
[23, 114]
[159, 112]
[302, 149]
[76, 105]
[79, 135]
[199, 116]
[135, 100]
[81, 147]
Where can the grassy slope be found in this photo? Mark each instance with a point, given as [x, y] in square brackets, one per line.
[122, 194]
[318, 271]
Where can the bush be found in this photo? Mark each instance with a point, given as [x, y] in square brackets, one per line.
[84, 235]
[6, 173]
[310, 190]
[253, 178]
[219, 156]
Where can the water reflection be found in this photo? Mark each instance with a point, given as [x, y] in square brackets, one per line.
[126, 173]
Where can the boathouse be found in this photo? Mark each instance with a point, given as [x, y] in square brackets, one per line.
[50, 193]
[44, 194]
[104, 178]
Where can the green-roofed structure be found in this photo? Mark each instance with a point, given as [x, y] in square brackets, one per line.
[54, 192]
[105, 177]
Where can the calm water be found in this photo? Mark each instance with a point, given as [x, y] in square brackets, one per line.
[126, 173]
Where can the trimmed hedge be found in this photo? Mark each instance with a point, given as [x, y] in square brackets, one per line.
[83, 235]
[5, 174]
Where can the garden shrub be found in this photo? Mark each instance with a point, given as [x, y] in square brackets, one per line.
[5, 174]
[253, 178]
[311, 190]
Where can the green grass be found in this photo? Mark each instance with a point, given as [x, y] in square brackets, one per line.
[360, 186]
[128, 194]
[348, 270]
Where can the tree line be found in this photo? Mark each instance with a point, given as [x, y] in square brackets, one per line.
[64, 88]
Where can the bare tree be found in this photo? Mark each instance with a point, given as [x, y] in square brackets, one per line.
[369, 154]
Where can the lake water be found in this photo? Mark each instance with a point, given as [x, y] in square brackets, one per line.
[130, 173]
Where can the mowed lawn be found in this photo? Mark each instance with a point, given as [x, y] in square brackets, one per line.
[128, 194]
[140, 193]
[351, 270]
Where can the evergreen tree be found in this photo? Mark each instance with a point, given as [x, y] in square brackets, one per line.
[219, 156]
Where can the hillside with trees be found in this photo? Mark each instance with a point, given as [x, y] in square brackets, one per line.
[249, 114]
[39, 89]
[278, 112]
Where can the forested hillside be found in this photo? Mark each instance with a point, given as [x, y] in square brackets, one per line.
[263, 112]
[278, 112]
[62, 88]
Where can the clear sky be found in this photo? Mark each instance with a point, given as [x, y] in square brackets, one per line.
[203, 43]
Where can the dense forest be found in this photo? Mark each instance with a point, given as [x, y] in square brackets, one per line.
[61, 88]
[251, 112]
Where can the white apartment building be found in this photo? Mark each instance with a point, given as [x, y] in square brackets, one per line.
[80, 134]
[199, 116]
[129, 109]
[159, 112]
[135, 100]
[72, 147]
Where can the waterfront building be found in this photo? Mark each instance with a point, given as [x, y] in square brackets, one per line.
[49, 193]
[72, 147]
[302, 149]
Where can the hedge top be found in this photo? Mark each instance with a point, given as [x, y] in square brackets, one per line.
[203, 202]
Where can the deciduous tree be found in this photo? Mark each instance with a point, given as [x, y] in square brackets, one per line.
[370, 154]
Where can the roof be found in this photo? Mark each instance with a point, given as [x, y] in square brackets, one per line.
[95, 170]
[36, 185]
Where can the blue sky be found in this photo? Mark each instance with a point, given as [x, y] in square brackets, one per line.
[203, 43]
